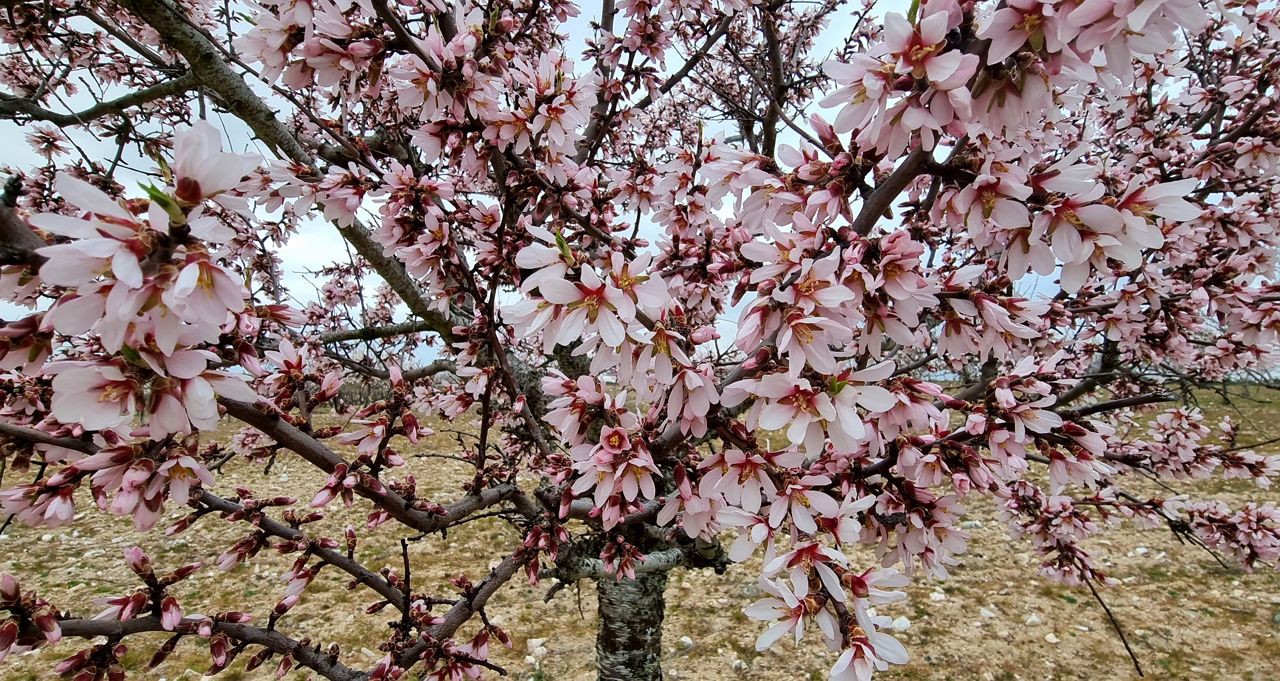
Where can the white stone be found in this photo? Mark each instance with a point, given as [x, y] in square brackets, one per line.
[684, 643]
[1050, 638]
[986, 613]
[937, 596]
[1034, 620]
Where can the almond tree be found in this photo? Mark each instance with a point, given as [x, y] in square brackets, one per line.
[964, 253]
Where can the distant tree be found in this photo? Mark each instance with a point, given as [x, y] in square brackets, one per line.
[1071, 203]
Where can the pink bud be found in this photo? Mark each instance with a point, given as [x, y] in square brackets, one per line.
[8, 634]
[163, 651]
[363, 49]
[170, 613]
[322, 497]
[260, 657]
[62, 477]
[285, 605]
[704, 334]
[218, 649]
[133, 606]
[73, 663]
[184, 571]
[9, 591]
[48, 625]
[138, 561]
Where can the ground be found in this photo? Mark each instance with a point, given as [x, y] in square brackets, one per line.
[994, 618]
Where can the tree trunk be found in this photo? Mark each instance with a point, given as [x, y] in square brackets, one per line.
[629, 640]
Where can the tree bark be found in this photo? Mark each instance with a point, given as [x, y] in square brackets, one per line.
[629, 640]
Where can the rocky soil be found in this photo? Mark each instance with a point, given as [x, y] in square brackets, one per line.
[994, 618]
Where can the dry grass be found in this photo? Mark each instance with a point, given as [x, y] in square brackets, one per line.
[1187, 617]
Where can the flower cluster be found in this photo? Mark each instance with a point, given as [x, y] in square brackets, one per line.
[696, 281]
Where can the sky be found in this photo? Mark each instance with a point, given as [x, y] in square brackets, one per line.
[318, 244]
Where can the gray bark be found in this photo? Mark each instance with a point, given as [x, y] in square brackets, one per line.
[629, 638]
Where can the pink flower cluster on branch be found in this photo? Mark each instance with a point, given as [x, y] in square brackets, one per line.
[689, 284]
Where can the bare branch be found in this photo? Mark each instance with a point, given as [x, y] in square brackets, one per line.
[15, 108]
[692, 62]
[41, 437]
[361, 574]
[375, 332]
[1115, 624]
[1112, 405]
[310, 657]
[777, 95]
[18, 242]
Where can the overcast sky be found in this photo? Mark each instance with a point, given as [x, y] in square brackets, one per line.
[318, 244]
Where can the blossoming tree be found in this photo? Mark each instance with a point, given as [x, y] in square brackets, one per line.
[687, 280]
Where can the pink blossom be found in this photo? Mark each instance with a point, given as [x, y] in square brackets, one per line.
[795, 499]
[95, 396]
[787, 608]
[1012, 25]
[204, 293]
[869, 650]
[181, 473]
[201, 169]
[921, 49]
[591, 304]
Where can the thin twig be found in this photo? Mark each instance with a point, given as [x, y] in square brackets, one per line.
[1115, 624]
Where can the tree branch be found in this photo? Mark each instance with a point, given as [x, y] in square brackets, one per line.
[13, 107]
[375, 332]
[1112, 405]
[466, 607]
[276, 529]
[43, 438]
[209, 66]
[320, 456]
[310, 657]
[692, 62]
[881, 198]
[18, 242]
[769, 127]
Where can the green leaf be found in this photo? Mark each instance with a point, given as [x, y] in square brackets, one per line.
[913, 11]
[160, 197]
[1037, 40]
[165, 201]
[132, 355]
[564, 248]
